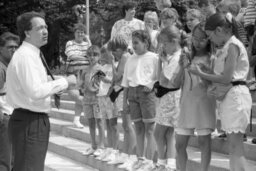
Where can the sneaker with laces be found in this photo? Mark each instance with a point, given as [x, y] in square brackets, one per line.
[159, 168]
[98, 152]
[127, 165]
[169, 169]
[109, 157]
[77, 124]
[88, 151]
[147, 166]
[118, 159]
[138, 164]
[104, 154]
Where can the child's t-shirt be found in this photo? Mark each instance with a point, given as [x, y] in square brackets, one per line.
[104, 87]
[90, 84]
[141, 70]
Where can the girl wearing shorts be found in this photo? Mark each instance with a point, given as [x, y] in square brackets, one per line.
[197, 109]
[119, 48]
[90, 81]
[107, 108]
[168, 104]
[231, 67]
[140, 74]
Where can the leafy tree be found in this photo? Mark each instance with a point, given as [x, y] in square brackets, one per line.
[61, 18]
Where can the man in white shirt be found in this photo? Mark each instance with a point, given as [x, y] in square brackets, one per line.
[8, 44]
[28, 92]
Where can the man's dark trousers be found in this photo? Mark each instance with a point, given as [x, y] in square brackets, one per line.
[5, 147]
[29, 136]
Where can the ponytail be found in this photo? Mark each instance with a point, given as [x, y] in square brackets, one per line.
[233, 24]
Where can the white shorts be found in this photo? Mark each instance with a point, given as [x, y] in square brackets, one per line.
[235, 109]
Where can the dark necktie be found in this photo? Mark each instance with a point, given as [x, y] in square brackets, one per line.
[56, 96]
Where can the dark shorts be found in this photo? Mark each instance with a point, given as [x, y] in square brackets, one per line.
[142, 104]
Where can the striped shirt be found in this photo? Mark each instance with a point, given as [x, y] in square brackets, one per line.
[242, 34]
[250, 13]
[74, 49]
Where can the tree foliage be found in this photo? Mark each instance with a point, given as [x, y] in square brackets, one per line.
[60, 19]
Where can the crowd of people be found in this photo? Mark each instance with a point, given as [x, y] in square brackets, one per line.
[166, 79]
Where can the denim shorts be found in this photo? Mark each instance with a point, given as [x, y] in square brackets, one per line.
[92, 111]
[142, 105]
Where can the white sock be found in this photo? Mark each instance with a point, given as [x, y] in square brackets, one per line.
[171, 163]
[76, 118]
[162, 162]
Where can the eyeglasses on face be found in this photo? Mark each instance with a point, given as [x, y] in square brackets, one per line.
[12, 47]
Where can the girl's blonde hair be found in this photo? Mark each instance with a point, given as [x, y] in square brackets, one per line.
[171, 13]
[152, 15]
[166, 3]
[195, 13]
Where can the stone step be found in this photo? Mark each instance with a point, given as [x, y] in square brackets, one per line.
[66, 129]
[68, 115]
[68, 103]
[73, 148]
[218, 145]
[66, 97]
[55, 162]
[62, 114]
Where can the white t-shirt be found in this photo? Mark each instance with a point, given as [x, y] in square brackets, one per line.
[141, 70]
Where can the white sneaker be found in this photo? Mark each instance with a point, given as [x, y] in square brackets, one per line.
[98, 152]
[119, 158]
[110, 157]
[77, 124]
[88, 151]
[103, 154]
[138, 164]
[146, 166]
[128, 162]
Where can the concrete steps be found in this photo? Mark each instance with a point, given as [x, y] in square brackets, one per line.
[219, 145]
[73, 148]
[55, 162]
[69, 142]
[68, 115]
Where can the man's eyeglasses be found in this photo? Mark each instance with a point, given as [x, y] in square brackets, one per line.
[12, 47]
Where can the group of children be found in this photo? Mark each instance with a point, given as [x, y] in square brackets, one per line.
[170, 91]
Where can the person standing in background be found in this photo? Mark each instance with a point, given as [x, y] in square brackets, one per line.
[128, 24]
[8, 44]
[77, 60]
[28, 92]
